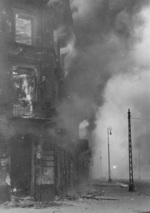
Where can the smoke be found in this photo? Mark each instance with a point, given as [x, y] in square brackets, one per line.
[83, 134]
[52, 2]
[107, 75]
[128, 89]
[84, 8]
[59, 32]
[67, 48]
[141, 50]
[72, 111]
[69, 52]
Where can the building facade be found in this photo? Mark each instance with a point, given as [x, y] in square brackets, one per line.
[32, 160]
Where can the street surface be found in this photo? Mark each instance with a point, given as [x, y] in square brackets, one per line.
[98, 197]
[141, 185]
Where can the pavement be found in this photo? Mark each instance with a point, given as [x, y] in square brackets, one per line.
[141, 185]
[92, 197]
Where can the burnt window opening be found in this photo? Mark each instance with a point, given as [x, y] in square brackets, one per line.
[24, 84]
[23, 28]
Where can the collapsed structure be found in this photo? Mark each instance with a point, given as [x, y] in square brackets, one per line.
[32, 159]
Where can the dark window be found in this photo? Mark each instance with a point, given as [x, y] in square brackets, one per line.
[23, 29]
[24, 83]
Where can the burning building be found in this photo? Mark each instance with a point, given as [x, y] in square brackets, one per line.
[32, 161]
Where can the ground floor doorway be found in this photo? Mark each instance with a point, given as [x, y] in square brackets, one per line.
[21, 164]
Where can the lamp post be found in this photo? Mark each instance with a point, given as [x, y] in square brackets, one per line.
[101, 169]
[139, 165]
[109, 132]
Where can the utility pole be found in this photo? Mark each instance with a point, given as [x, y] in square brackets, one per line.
[131, 180]
[109, 172]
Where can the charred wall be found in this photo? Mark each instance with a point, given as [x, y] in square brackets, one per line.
[28, 92]
[28, 56]
[37, 156]
[32, 160]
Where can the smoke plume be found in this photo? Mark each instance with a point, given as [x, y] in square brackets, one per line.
[128, 89]
[84, 8]
[108, 74]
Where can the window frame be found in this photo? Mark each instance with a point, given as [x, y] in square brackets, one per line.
[26, 66]
[27, 16]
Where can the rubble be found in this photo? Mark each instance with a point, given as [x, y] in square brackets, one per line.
[71, 196]
[112, 199]
[28, 202]
[22, 202]
[98, 196]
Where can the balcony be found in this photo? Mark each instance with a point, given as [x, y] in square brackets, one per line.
[22, 109]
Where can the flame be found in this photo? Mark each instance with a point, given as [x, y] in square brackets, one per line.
[27, 89]
[83, 129]
[69, 51]
[59, 33]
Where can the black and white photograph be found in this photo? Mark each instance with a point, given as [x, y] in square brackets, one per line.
[75, 106]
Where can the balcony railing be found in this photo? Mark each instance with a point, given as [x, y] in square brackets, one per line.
[24, 109]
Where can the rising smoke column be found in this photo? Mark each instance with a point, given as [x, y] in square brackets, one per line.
[129, 89]
[106, 58]
[102, 72]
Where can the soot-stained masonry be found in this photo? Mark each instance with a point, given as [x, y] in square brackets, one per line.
[37, 155]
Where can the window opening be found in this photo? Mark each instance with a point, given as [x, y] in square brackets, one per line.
[24, 85]
[23, 29]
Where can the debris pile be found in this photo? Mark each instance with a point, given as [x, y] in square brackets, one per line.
[28, 202]
[22, 202]
[72, 196]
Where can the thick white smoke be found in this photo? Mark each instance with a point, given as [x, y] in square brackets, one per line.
[142, 48]
[127, 90]
[83, 133]
[109, 66]
[69, 52]
[83, 8]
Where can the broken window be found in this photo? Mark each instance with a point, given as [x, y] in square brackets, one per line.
[24, 82]
[23, 28]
